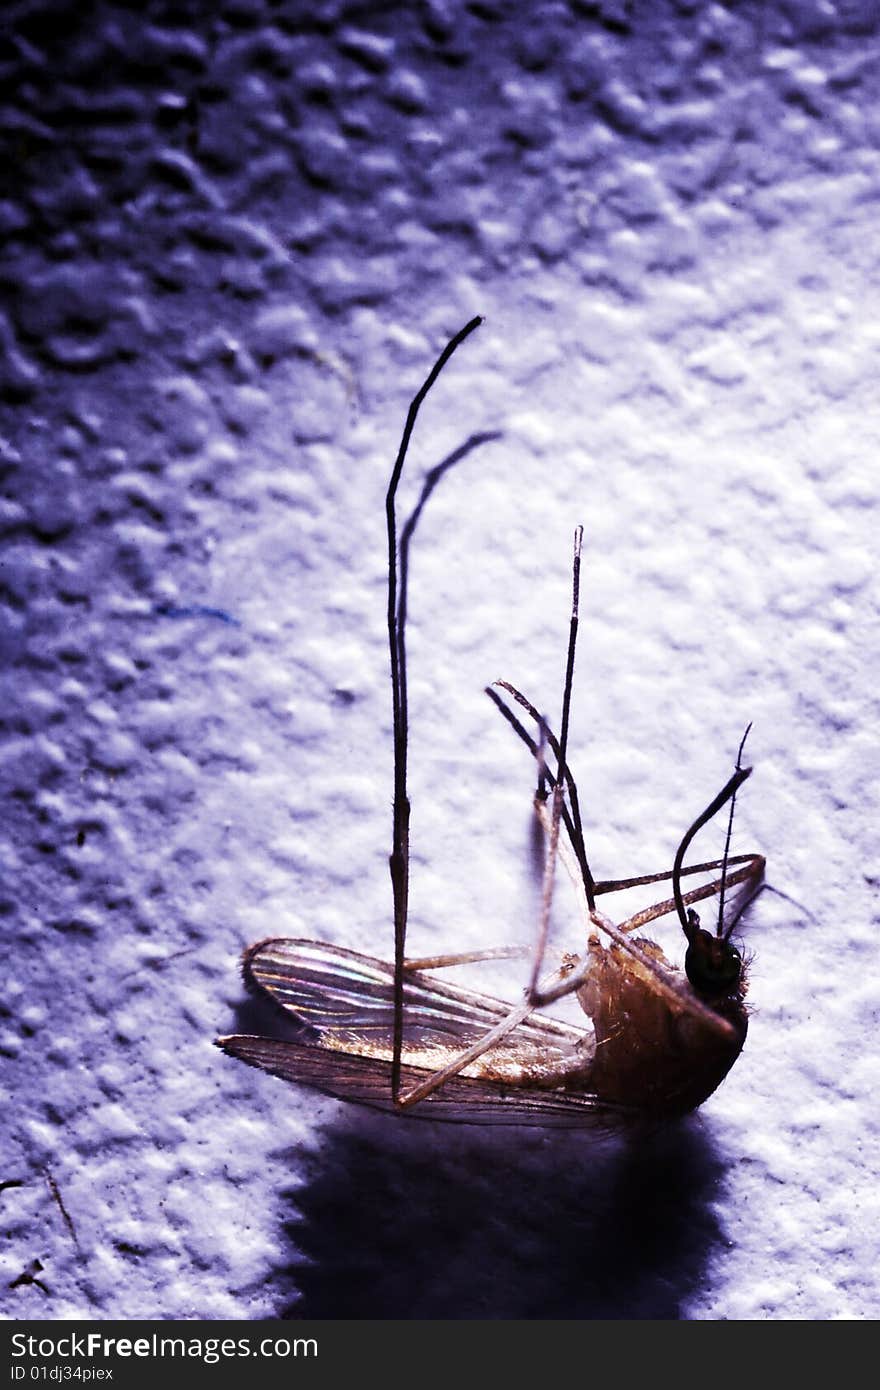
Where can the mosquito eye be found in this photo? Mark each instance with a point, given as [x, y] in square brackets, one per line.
[712, 966]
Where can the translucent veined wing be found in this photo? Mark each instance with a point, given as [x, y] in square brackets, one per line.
[538, 1075]
[461, 1100]
[349, 998]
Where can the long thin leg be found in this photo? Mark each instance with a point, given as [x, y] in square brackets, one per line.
[556, 798]
[571, 819]
[399, 858]
[466, 958]
[617, 885]
[751, 873]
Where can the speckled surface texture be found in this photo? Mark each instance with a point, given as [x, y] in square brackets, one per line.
[234, 238]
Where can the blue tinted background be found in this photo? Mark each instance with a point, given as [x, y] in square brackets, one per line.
[234, 238]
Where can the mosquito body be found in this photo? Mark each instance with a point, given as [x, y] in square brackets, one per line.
[397, 1037]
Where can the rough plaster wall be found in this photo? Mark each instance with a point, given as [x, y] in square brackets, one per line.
[234, 238]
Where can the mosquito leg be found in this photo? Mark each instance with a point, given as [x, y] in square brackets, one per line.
[547, 888]
[466, 958]
[556, 799]
[618, 885]
[399, 858]
[750, 874]
[570, 819]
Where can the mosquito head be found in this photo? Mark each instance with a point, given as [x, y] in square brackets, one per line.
[713, 965]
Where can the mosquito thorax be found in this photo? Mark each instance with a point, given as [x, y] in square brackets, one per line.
[713, 965]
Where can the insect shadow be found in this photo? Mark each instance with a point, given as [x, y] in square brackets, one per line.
[432, 1221]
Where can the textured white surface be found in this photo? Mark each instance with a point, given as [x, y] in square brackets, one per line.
[231, 250]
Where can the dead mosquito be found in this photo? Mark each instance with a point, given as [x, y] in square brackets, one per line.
[394, 1036]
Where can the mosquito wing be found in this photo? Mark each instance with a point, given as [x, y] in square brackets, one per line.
[460, 1100]
[348, 998]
